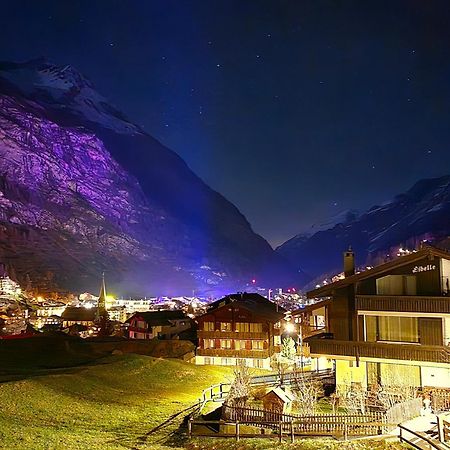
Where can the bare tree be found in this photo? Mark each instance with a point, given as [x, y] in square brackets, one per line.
[307, 392]
[240, 387]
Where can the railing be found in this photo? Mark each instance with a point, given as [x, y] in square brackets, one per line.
[293, 377]
[231, 334]
[403, 303]
[230, 353]
[420, 439]
[356, 349]
[443, 423]
[214, 393]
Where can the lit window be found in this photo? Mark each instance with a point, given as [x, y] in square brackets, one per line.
[240, 344]
[208, 343]
[256, 327]
[246, 327]
[257, 345]
[208, 326]
[225, 343]
[242, 327]
[225, 326]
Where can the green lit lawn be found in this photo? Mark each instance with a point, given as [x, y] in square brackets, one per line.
[106, 406]
[115, 403]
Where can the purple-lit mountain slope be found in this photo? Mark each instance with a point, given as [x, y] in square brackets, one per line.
[423, 212]
[83, 189]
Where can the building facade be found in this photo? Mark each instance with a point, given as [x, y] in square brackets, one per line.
[158, 324]
[389, 324]
[240, 328]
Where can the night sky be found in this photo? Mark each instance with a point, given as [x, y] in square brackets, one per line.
[294, 110]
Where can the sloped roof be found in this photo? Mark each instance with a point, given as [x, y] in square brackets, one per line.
[73, 313]
[255, 303]
[154, 318]
[285, 396]
[427, 250]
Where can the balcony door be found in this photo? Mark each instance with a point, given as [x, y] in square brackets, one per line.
[430, 330]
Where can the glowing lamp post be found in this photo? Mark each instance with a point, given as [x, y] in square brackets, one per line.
[289, 328]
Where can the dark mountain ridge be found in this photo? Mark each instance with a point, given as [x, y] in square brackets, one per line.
[421, 213]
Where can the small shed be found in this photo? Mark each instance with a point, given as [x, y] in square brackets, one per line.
[278, 400]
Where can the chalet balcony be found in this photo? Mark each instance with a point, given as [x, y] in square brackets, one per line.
[403, 303]
[309, 331]
[230, 353]
[231, 335]
[383, 350]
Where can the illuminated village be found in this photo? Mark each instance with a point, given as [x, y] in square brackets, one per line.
[354, 357]
[224, 225]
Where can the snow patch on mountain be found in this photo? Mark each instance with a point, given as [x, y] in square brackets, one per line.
[64, 87]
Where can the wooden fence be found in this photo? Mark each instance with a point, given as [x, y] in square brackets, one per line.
[440, 398]
[314, 425]
[401, 412]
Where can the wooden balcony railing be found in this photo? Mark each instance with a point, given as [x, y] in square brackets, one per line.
[408, 352]
[230, 353]
[403, 303]
[231, 335]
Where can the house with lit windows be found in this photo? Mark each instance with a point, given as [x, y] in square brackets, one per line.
[165, 324]
[242, 327]
[389, 324]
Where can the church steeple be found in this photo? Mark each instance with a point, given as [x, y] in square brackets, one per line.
[102, 313]
[102, 297]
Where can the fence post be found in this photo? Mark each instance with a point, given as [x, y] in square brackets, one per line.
[440, 426]
[292, 431]
[190, 427]
[281, 431]
[237, 430]
[345, 431]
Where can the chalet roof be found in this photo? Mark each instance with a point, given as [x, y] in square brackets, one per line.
[426, 251]
[284, 396]
[255, 303]
[155, 318]
[74, 313]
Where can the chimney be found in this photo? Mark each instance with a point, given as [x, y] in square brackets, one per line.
[349, 262]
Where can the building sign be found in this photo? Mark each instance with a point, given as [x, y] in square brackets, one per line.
[427, 268]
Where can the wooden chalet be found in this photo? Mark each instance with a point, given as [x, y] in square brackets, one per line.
[389, 324]
[74, 315]
[278, 400]
[239, 328]
[165, 324]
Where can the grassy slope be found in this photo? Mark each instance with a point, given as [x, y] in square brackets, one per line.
[106, 406]
[114, 404]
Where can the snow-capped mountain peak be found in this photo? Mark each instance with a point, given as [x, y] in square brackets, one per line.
[64, 88]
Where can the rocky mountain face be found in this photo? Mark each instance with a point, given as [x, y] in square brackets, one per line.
[421, 213]
[84, 190]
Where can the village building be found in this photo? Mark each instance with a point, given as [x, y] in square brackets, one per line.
[87, 321]
[278, 400]
[389, 324]
[240, 328]
[166, 324]
[74, 315]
